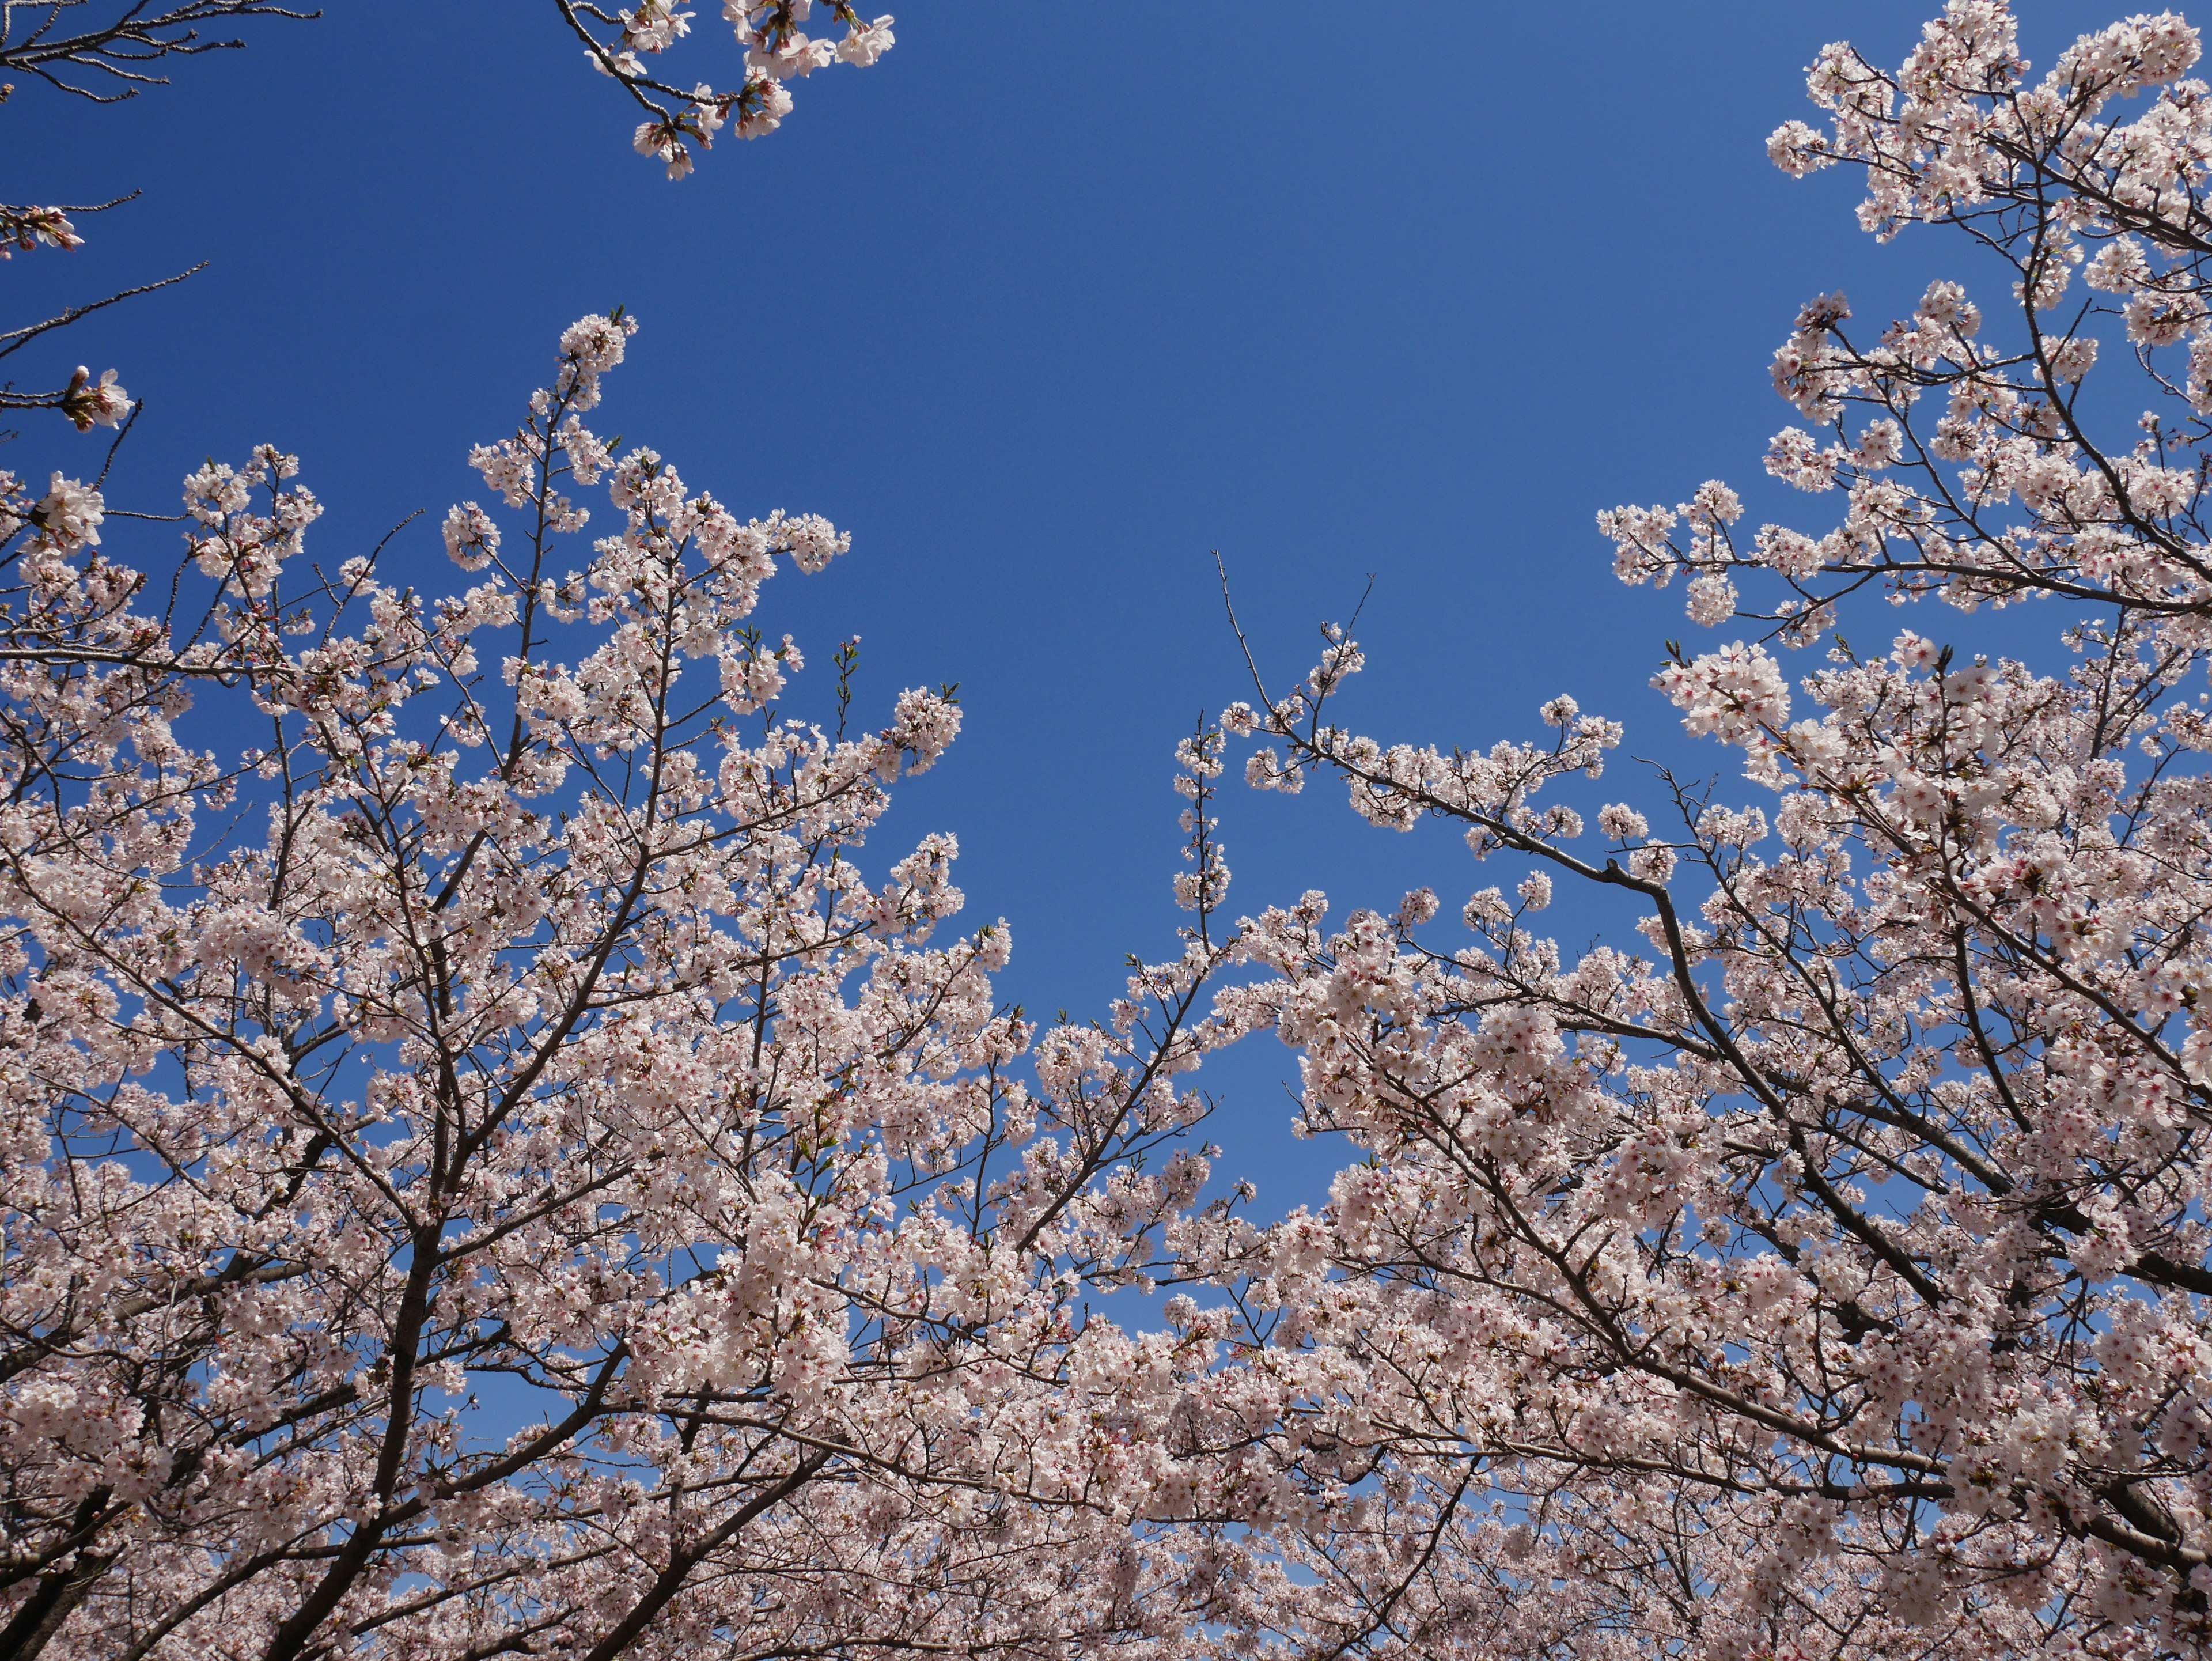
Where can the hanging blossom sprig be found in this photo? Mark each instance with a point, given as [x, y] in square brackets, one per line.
[777, 51]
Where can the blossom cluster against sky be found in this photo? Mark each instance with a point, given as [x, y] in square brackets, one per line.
[1042, 310]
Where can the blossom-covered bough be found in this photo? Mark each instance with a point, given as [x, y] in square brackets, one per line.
[1825, 1273]
[487, 1171]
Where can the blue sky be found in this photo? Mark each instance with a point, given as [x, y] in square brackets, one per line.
[1043, 308]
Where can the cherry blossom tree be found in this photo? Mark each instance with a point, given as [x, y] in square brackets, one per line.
[1819, 1268]
[488, 1171]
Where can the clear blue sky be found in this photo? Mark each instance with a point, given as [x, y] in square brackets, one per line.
[1044, 308]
